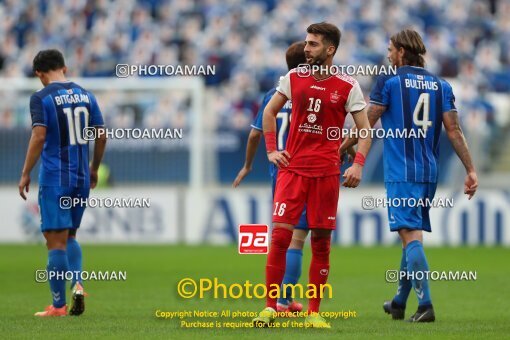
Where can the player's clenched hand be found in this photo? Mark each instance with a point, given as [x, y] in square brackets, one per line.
[24, 182]
[93, 178]
[470, 184]
[279, 158]
[240, 176]
[352, 176]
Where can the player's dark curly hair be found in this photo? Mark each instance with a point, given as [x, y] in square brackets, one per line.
[330, 33]
[295, 55]
[48, 60]
[413, 46]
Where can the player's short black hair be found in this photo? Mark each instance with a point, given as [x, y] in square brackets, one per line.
[48, 60]
[295, 55]
[330, 33]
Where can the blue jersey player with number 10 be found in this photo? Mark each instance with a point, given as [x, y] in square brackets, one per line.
[61, 113]
[414, 99]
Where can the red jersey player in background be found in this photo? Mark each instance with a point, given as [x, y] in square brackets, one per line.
[310, 166]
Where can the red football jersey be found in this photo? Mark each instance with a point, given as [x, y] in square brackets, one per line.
[319, 108]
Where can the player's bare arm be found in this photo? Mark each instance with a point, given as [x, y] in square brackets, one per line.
[374, 114]
[279, 158]
[251, 150]
[35, 148]
[99, 146]
[352, 175]
[456, 137]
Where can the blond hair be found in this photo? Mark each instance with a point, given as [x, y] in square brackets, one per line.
[413, 46]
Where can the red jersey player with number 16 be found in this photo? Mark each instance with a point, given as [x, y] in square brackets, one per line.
[310, 167]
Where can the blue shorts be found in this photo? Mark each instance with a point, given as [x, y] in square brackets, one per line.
[403, 216]
[57, 217]
[303, 223]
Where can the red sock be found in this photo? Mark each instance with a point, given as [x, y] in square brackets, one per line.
[275, 266]
[319, 268]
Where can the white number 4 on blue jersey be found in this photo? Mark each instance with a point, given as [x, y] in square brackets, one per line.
[423, 101]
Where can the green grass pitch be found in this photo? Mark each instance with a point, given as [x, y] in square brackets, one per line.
[115, 309]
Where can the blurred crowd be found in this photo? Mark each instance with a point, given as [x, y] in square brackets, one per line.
[246, 41]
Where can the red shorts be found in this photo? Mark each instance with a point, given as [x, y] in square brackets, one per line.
[319, 194]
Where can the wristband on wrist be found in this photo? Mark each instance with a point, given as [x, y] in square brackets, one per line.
[270, 138]
[359, 158]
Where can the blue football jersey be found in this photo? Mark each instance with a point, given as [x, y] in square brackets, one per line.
[282, 120]
[415, 101]
[282, 123]
[65, 109]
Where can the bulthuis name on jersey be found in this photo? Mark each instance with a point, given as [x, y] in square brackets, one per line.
[419, 84]
[73, 98]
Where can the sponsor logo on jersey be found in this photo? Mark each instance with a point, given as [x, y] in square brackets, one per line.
[334, 97]
[310, 128]
[315, 87]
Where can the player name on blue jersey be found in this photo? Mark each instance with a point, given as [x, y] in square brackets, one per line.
[421, 84]
[76, 98]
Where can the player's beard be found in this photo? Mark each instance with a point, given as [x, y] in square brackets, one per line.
[320, 59]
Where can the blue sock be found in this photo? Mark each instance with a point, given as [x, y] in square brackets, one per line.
[74, 258]
[417, 262]
[404, 285]
[57, 263]
[292, 273]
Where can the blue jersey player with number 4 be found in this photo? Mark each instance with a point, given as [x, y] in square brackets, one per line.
[61, 113]
[414, 99]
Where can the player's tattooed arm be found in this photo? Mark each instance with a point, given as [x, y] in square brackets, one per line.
[374, 112]
[275, 104]
[456, 137]
[35, 148]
